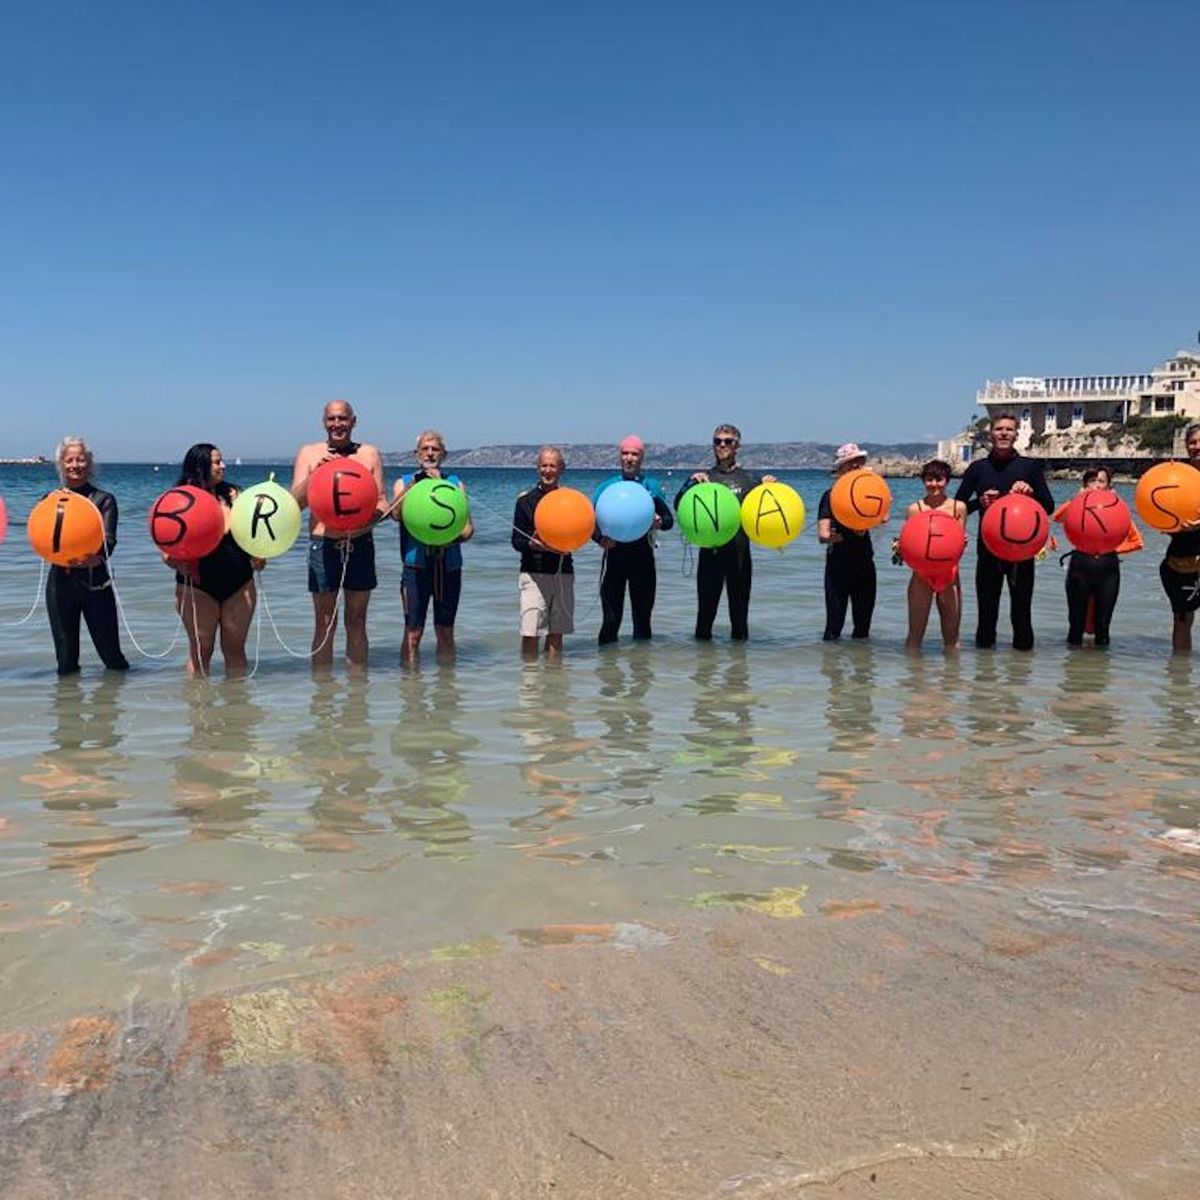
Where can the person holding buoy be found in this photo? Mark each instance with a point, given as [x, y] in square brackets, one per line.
[1100, 530]
[546, 581]
[849, 558]
[628, 542]
[1180, 569]
[729, 566]
[82, 590]
[343, 510]
[431, 572]
[214, 593]
[1004, 471]
[927, 585]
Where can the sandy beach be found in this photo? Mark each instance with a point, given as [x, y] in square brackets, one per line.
[870, 1048]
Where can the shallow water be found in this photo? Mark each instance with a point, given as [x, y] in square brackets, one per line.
[165, 838]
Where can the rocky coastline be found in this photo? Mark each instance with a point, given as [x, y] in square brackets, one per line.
[902, 459]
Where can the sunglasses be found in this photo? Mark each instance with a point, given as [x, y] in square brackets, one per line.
[724, 441]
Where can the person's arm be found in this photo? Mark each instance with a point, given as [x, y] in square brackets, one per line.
[1041, 489]
[107, 506]
[662, 510]
[967, 489]
[522, 534]
[1057, 514]
[108, 510]
[374, 463]
[688, 484]
[301, 469]
[398, 489]
[468, 530]
[605, 543]
[826, 533]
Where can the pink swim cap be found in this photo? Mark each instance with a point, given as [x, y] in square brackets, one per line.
[632, 442]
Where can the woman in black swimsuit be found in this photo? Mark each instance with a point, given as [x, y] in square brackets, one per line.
[216, 592]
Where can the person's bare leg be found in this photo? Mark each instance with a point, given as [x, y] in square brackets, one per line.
[554, 645]
[1181, 633]
[325, 614]
[445, 642]
[355, 616]
[236, 614]
[200, 615]
[949, 604]
[920, 597]
[412, 646]
[529, 647]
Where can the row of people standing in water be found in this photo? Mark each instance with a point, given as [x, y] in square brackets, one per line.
[216, 595]
[1092, 580]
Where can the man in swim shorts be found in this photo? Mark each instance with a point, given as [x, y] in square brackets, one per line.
[547, 578]
[431, 573]
[352, 553]
[631, 563]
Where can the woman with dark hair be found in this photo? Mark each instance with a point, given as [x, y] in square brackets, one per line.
[1094, 580]
[935, 475]
[216, 592]
[83, 591]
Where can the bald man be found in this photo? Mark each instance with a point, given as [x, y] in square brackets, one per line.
[631, 564]
[344, 561]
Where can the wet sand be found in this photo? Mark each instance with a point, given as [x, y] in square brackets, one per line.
[881, 1048]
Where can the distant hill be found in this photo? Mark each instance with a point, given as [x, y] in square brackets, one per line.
[680, 456]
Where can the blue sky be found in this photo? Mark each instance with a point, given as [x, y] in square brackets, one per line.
[531, 221]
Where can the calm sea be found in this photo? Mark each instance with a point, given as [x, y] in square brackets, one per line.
[164, 839]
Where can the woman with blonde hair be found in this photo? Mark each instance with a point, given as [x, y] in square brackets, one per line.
[83, 590]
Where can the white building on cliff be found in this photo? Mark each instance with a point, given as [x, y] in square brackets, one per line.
[1059, 403]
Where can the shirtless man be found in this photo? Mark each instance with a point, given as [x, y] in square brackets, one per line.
[325, 553]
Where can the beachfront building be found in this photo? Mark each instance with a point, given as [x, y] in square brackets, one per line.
[1052, 404]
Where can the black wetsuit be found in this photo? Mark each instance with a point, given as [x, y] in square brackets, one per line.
[1094, 578]
[728, 567]
[1182, 586]
[75, 593]
[534, 561]
[849, 577]
[990, 572]
[631, 564]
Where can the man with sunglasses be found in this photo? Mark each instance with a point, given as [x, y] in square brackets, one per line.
[728, 567]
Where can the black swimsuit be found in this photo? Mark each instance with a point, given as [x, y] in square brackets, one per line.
[221, 574]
